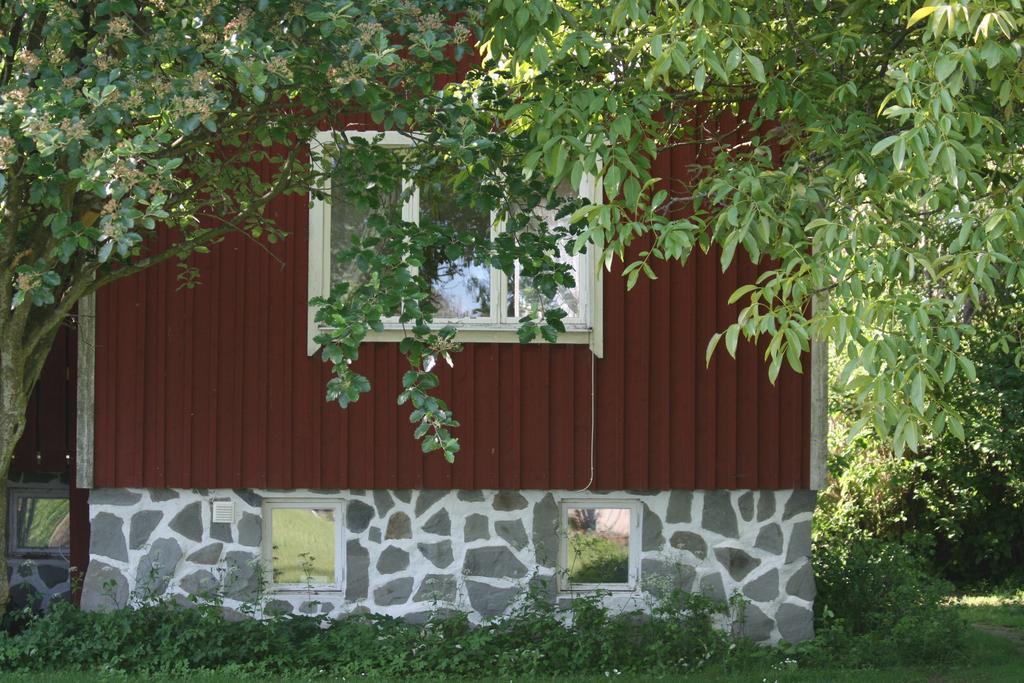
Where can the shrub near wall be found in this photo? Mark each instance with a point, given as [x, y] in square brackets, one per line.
[537, 639]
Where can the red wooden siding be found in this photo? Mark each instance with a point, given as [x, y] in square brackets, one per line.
[49, 437]
[212, 388]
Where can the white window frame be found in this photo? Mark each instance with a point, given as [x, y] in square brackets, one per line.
[633, 583]
[497, 327]
[16, 492]
[267, 544]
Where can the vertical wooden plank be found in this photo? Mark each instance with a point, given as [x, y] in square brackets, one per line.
[278, 370]
[463, 405]
[437, 473]
[707, 373]
[510, 393]
[662, 357]
[725, 411]
[636, 378]
[584, 419]
[154, 330]
[561, 432]
[486, 417]
[767, 427]
[131, 384]
[791, 428]
[748, 368]
[536, 417]
[611, 385]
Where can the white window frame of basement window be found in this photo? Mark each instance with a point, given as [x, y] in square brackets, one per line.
[267, 544]
[635, 547]
[487, 330]
[16, 491]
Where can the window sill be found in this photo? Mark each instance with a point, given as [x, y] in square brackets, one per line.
[488, 334]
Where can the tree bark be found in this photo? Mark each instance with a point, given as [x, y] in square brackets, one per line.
[13, 404]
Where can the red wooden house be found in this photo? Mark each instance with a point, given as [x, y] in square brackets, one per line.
[614, 460]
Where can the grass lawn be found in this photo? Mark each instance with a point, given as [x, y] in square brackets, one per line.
[991, 657]
[303, 545]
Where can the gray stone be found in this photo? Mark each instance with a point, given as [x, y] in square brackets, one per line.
[712, 586]
[513, 532]
[141, 526]
[488, 600]
[383, 502]
[796, 624]
[162, 495]
[358, 493]
[424, 617]
[357, 572]
[439, 554]
[242, 580]
[474, 496]
[404, 495]
[189, 522]
[801, 583]
[252, 499]
[157, 566]
[234, 615]
[105, 588]
[309, 607]
[746, 506]
[436, 588]
[545, 531]
[765, 505]
[52, 575]
[392, 560]
[220, 531]
[737, 562]
[106, 537]
[439, 523]
[769, 539]
[113, 497]
[208, 554]
[799, 542]
[687, 540]
[544, 587]
[199, 582]
[718, 514]
[358, 516]
[399, 526]
[277, 608]
[764, 587]
[494, 562]
[506, 501]
[756, 624]
[326, 608]
[374, 535]
[661, 577]
[800, 501]
[680, 504]
[426, 499]
[250, 530]
[394, 592]
[476, 528]
[652, 540]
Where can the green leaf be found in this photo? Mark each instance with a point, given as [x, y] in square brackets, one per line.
[755, 66]
[920, 14]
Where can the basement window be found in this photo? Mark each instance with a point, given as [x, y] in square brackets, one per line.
[600, 545]
[302, 545]
[39, 522]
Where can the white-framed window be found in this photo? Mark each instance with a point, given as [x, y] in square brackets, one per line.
[600, 545]
[39, 521]
[480, 300]
[302, 544]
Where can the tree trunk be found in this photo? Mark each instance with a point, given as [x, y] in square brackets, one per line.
[13, 404]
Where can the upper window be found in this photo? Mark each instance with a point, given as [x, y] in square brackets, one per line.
[483, 303]
[600, 545]
[40, 522]
[302, 545]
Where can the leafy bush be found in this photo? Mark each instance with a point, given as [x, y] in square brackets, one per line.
[537, 638]
[878, 604]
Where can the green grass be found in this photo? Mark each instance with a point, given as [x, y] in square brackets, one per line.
[303, 546]
[42, 517]
[1005, 608]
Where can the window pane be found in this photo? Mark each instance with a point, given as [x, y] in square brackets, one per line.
[42, 523]
[598, 545]
[303, 550]
[525, 298]
[460, 286]
[348, 221]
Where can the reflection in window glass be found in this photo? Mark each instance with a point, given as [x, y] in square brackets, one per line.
[303, 545]
[348, 221]
[42, 523]
[598, 545]
[460, 284]
[526, 299]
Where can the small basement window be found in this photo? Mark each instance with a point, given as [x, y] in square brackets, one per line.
[302, 545]
[600, 545]
[39, 522]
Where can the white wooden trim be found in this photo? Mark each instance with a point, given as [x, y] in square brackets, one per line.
[267, 544]
[635, 547]
[85, 393]
[819, 410]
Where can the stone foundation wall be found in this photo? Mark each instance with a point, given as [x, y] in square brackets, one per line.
[409, 553]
